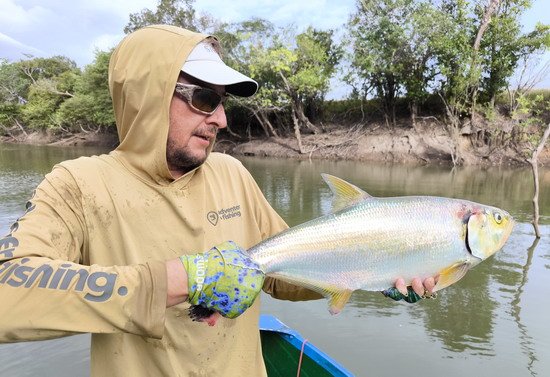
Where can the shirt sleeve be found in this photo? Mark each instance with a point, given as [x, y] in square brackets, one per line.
[48, 289]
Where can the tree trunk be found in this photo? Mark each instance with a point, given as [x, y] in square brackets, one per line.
[299, 108]
[489, 10]
[21, 127]
[265, 123]
[269, 125]
[492, 102]
[453, 125]
[414, 113]
[297, 132]
[6, 130]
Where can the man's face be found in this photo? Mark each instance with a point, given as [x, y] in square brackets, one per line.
[191, 133]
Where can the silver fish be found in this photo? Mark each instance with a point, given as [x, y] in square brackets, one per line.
[367, 243]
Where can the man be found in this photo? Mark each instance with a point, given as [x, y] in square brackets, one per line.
[107, 243]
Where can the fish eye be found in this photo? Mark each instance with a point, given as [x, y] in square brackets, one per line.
[498, 217]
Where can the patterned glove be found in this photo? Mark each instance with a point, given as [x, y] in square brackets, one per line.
[223, 279]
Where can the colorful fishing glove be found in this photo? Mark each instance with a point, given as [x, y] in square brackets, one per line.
[223, 279]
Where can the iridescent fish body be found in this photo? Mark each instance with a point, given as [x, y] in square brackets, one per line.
[367, 243]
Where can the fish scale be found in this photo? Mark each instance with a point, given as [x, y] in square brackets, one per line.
[367, 243]
[355, 239]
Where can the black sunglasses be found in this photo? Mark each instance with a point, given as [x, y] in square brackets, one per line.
[203, 100]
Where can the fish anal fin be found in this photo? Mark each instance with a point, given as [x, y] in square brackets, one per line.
[337, 296]
[345, 194]
[451, 275]
[337, 299]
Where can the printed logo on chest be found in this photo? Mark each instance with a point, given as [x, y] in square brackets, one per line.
[224, 214]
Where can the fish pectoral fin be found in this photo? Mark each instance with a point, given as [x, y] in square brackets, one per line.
[451, 275]
[337, 299]
[345, 194]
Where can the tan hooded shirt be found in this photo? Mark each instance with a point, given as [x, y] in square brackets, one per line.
[89, 253]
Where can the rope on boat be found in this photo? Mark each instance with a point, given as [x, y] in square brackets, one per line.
[301, 356]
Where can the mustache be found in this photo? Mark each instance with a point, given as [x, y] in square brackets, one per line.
[210, 130]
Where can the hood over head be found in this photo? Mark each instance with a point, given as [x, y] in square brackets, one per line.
[143, 71]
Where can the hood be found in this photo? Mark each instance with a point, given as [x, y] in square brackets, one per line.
[141, 83]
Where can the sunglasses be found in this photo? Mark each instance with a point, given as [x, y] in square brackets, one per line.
[203, 100]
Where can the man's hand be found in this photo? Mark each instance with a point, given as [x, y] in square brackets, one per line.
[223, 279]
[418, 289]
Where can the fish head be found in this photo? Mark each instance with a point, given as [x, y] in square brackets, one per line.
[488, 229]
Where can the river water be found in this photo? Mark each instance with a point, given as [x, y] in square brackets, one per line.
[491, 323]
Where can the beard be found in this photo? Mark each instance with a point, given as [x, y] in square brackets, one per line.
[181, 159]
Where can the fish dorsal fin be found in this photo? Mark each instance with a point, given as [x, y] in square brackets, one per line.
[345, 194]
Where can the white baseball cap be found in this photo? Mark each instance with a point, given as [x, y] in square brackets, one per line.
[205, 64]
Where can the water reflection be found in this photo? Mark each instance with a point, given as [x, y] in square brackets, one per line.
[462, 316]
[508, 188]
[22, 168]
[526, 340]
[455, 317]
[479, 317]
[29, 158]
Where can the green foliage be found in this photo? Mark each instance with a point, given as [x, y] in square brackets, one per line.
[401, 54]
[533, 114]
[412, 48]
[451, 41]
[49, 82]
[12, 84]
[249, 46]
[46, 68]
[417, 70]
[294, 70]
[38, 112]
[51, 93]
[535, 106]
[171, 12]
[91, 105]
[77, 112]
[8, 112]
[390, 52]
[16, 78]
[316, 60]
[302, 71]
[375, 41]
[504, 45]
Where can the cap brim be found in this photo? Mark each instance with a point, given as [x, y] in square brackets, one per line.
[218, 73]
